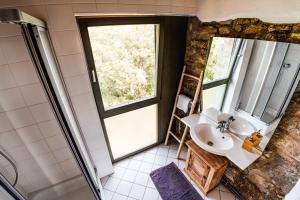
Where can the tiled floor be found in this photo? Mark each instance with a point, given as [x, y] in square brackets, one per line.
[131, 177]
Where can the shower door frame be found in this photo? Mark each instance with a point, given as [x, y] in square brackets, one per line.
[29, 26]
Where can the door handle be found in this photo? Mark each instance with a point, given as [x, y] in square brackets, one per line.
[94, 76]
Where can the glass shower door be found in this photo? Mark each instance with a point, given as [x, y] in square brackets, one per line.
[38, 160]
[285, 81]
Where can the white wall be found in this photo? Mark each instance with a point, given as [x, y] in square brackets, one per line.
[60, 17]
[276, 11]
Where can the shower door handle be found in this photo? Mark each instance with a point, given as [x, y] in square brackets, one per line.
[94, 76]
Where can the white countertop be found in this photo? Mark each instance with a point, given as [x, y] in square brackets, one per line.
[237, 154]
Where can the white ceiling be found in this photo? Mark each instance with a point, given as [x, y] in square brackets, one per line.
[275, 11]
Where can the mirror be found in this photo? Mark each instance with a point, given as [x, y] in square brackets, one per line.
[253, 79]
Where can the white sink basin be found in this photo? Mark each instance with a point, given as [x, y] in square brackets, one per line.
[239, 126]
[211, 139]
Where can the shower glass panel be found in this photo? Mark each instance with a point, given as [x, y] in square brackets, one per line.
[271, 74]
[283, 85]
[30, 135]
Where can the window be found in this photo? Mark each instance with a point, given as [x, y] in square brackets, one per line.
[125, 62]
[219, 68]
[124, 56]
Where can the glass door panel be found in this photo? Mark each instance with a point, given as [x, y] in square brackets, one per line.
[125, 61]
[131, 131]
[125, 77]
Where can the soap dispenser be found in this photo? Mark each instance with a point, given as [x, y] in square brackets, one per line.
[252, 141]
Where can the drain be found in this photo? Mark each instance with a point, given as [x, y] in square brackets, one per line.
[210, 143]
[223, 137]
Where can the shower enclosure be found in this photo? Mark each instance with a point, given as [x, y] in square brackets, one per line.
[272, 74]
[42, 152]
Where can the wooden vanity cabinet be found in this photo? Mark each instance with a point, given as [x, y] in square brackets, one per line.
[204, 168]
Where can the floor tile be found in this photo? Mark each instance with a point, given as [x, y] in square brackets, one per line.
[137, 191]
[123, 163]
[152, 151]
[104, 180]
[124, 188]
[150, 183]
[146, 167]
[119, 197]
[129, 175]
[172, 153]
[139, 157]
[134, 165]
[118, 172]
[213, 195]
[112, 184]
[141, 179]
[160, 160]
[108, 194]
[223, 188]
[173, 146]
[181, 164]
[150, 194]
[226, 195]
[155, 166]
[162, 151]
[170, 160]
[149, 157]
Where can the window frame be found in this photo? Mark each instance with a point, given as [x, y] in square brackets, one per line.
[84, 23]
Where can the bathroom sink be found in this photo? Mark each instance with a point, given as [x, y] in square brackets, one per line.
[211, 139]
[239, 126]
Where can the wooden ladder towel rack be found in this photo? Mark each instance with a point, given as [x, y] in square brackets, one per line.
[194, 102]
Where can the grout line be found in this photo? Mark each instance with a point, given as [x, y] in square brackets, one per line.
[220, 196]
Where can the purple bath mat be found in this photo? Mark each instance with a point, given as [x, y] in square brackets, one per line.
[173, 185]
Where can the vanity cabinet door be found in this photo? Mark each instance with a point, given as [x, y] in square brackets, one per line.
[204, 168]
[199, 168]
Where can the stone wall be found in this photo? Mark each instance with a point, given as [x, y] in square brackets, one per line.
[278, 169]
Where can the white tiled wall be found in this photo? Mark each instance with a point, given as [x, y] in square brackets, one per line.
[60, 16]
[29, 132]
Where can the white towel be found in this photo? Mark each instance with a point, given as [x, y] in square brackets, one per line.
[183, 103]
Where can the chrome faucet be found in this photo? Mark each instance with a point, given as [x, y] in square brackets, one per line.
[224, 125]
[229, 121]
[221, 126]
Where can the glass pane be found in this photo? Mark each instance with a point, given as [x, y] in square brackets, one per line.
[219, 61]
[131, 131]
[213, 97]
[125, 60]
